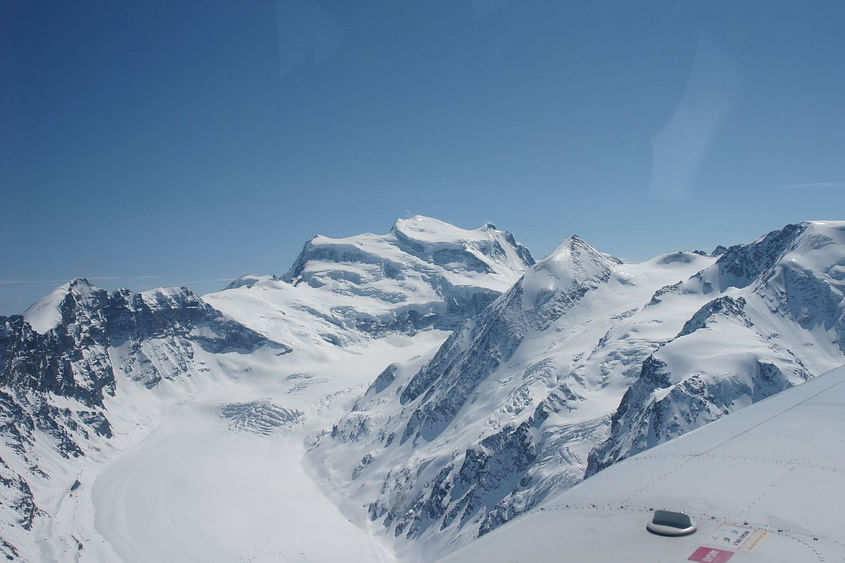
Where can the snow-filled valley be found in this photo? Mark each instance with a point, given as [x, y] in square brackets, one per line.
[222, 477]
[389, 397]
[211, 466]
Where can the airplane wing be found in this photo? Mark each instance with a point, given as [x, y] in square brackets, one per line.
[766, 484]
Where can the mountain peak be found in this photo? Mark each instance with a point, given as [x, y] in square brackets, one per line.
[45, 314]
[423, 272]
[421, 223]
[420, 242]
[79, 282]
[430, 230]
[575, 256]
[573, 266]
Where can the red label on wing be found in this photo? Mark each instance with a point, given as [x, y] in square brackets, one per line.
[710, 555]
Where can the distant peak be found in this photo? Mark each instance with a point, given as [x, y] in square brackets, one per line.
[428, 229]
[824, 225]
[45, 314]
[420, 223]
[247, 280]
[574, 251]
[414, 239]
[718, 251]
[576, 243]
[79, 282]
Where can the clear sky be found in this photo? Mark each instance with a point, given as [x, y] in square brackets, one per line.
[186, 143]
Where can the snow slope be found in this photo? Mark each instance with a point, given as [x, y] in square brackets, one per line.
[45, 314]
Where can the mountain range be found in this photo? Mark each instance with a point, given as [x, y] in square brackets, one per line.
[431, 384]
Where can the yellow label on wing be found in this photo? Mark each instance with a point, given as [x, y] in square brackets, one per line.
[754, 541]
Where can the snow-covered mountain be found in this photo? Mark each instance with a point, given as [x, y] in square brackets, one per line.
[89, 374]
[519, 399]
[775, 317]
[61, 361]
[432, 383]
[424, 273]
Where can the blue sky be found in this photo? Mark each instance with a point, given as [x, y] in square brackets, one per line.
[184, 143]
